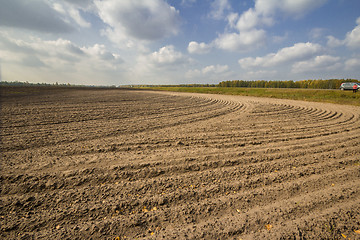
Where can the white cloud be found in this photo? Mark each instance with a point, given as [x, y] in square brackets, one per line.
[57, 60]
[32, 61]
[232, 19]
[187, 2]
[352, 63]
[252, 19]
[318, 63]
[299, 51]
[59, 8]
[59, 46]
[260, 74]
[334, 42]
[280, 39]
[210, 73]
[199, 48]
[248, 36]
[193, 74]
[75, 14]
[219, 7]
[83, 4]
[138, 20]
[215, 69]
[166, 56]
[248, 20]
[316, 33]
[71, 10]
[58, 55]
[99, 52]
[352, 39]
[119, 38]
[243, 41]
[164, 66]
[294, 8]
[34, 15]
[265, 11]
[250, 62]
[43, 50]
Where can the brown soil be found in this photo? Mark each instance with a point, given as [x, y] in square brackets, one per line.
[102, 164]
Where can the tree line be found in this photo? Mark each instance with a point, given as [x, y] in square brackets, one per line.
[312, 84]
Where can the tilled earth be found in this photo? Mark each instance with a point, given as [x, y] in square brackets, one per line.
[111, 163]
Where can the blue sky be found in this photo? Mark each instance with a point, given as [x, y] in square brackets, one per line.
[120, 42]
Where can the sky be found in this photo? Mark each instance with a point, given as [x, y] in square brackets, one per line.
[124, 42]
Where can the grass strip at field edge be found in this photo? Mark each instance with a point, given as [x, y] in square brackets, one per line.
[313, 95]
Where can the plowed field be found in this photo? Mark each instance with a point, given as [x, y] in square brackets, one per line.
[107, 163]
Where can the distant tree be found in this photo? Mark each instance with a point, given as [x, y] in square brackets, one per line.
[313, 84]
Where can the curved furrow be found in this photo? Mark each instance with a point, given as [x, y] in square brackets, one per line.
[149, 122]
[158, 165]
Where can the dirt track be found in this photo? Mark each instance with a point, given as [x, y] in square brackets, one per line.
[114, 163]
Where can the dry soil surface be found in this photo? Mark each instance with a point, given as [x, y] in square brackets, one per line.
[125, 164]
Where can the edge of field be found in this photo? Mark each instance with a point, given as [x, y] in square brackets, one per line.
[313, 95]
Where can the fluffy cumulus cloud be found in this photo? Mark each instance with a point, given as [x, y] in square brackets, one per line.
[166, 56]
[246, 21]
[72, 11]
[210, 72]
[219, 8]
[353, 64]
[243, 41]
[162, 62]
[318, 63]
[86, 40]
[215, 69]
[138, 20]
[296, 8]
[265, 10]
[100, 54]
[249, 20]
[164, 66]
[352, 38]
[246, 36]
[56, 58]
[298, 52]
[199, 48]
[316, 33]
[76, 16]
[334, 42]
[35, 47]
[245, 32]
